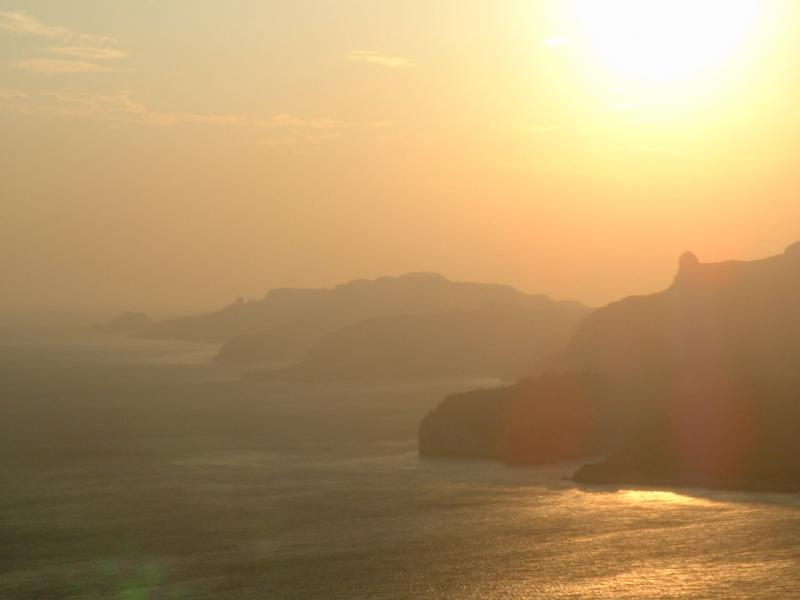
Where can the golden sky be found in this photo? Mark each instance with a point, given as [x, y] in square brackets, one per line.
[169, 156]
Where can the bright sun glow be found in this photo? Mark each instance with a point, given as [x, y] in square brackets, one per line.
[665, 42]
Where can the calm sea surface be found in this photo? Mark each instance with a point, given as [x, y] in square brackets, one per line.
[132, 470]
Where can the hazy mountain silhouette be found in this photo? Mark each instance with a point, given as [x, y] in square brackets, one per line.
[497, 340]
[129, 323]
[699, 386]
[287, 322]
[284, 343]
[713, 321]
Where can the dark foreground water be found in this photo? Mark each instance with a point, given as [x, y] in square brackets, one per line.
[132, 471]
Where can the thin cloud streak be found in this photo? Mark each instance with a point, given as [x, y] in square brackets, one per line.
[287, 129]
[52, 66]
[23, 23]
[12, 95]
[375, 58]
[88, 52]
[80, 46]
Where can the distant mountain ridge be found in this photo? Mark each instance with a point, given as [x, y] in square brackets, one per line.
[699, 386]
[287, 322]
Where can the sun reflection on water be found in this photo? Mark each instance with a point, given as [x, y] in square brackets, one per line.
[659, 497]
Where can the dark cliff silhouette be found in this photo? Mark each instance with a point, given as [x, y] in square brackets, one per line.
[538, 420]
[699, 387]
[498, 340]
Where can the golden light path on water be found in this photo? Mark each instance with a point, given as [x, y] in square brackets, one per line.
[651, 543]
[663, 497]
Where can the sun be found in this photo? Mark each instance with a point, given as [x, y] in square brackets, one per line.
[664, 42]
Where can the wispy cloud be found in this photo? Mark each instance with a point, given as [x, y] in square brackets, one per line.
[81, 49]
[87, 52]
[292, 131]
[14, 101]
[23, 23]
[293, 121]
[120, 106]
[375, 58]
[284, 129]
[294, 139]
[6, 95]
[53, 66]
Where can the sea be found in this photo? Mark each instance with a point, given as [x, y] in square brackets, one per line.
[140, 470]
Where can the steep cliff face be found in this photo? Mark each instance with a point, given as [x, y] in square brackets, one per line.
[538, 420]
[738, 434]
[701, 384]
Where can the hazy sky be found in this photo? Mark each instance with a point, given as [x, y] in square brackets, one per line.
[172, 155]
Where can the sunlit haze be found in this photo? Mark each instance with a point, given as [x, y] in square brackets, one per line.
[667, 43]
[400, 299]
[168, 157]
